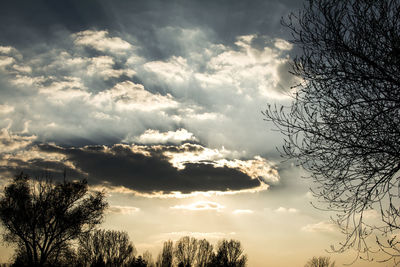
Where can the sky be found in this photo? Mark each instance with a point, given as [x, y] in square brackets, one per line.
[159, 103]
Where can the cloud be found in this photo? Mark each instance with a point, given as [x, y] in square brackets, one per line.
[5, 61]
[64, 90]
[130, 96]
[4, 109]
[81, 91]
[6, 49]
[286, 210]
[282, 44]
[171, 137]
[175, 70]
[22, 69]
[323, 226]
[143, 170]
[10, 142]
[243, 212]
[125, 210]
[101, 41]
[104, 66]
[200, 206]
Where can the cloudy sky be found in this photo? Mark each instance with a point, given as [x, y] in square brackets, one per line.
[159, 103]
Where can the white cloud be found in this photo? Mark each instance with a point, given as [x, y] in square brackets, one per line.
[10, 142]
[248, 70]
[125, 210]
[103, 66]
[200, 206]
[6, 61]
[22, 68]
[10, 51]
[178, 159]
[286, 210]
[282, 44]
[175, 70]
[323, 226]
[4, 109]
[6, 49]
[155, 137]
[24, 80]
[257, 168]
[101, 41]
[242, 212]
[131, 96]
[65, 90]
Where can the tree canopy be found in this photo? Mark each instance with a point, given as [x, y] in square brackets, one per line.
[343, 125]
[320, 262]
[111, 247]
[42, 217]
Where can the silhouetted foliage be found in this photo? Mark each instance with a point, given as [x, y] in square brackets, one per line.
[343, 125]
[165, 259]
[136, 262]
[64, 257]
[148, 258]
[204, 253]
[185, 251]
[113, 248]
[97, 262]
[229, 254]
[192, 252]
[320, 262]
[42, 217]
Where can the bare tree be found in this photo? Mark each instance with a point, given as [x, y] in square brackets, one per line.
[111, 247]
[204, 253]
[165, 259]
[42, 217]
[136, 262]
[148, 258]
[185, 251]
[343, 125]
[229, 254]
[320, 262]
[159, 260]
[65, 256]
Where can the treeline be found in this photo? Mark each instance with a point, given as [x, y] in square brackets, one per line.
[188, 251]
[102, 248]
[56, 224]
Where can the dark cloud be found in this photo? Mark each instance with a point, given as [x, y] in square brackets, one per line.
[120, 165]
[39, 168]
[24, 22]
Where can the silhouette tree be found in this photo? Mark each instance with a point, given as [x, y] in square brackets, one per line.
[136, 262]
[159, 260]
[185, 251]
[204, 253]
[108, 246]
[65, 256]
[343, 125]
[229, 254]
[148, 258]
[165, 259]
[320, 262]
[42, 217]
